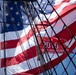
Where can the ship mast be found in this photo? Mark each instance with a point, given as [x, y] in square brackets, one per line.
[5, 70]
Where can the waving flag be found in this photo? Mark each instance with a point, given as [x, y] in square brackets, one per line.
[19, 34]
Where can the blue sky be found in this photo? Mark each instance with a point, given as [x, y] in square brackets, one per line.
[70, 69]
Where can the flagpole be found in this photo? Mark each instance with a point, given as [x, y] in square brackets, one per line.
[5, 71]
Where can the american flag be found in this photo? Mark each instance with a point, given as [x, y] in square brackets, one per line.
[17, 41]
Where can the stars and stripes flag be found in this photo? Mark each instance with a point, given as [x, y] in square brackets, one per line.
[18, 45]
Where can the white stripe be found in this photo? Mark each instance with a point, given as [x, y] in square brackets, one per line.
[13, 36]
[15, 51]
[68, 19]
[24, 67]
[62, 6]
[53, 15]
[59, 10]
[59, 1]
[73, 1]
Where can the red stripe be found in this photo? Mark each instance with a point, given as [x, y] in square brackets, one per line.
[28, 52]
[48, 65]
[68, 9]
[58, 5]
[25, 55]
[15, 43]
[65, 34]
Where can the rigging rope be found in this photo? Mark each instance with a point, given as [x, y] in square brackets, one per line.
[31, 14]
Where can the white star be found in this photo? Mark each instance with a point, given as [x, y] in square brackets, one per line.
[36, 6]
[6, 14]
[17, 13]
[18, 24]
[7, 25]
[21, 6]
[43, 2]
[26, 21]
[11, 8]
[15, 2]
[5, 4]
[22, 17]
[12, 19]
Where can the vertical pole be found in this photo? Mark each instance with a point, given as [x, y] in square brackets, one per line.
[4, 41]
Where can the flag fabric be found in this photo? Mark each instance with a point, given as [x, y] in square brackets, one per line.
[18, 42]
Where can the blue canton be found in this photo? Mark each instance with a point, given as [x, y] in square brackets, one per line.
[12, 17]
